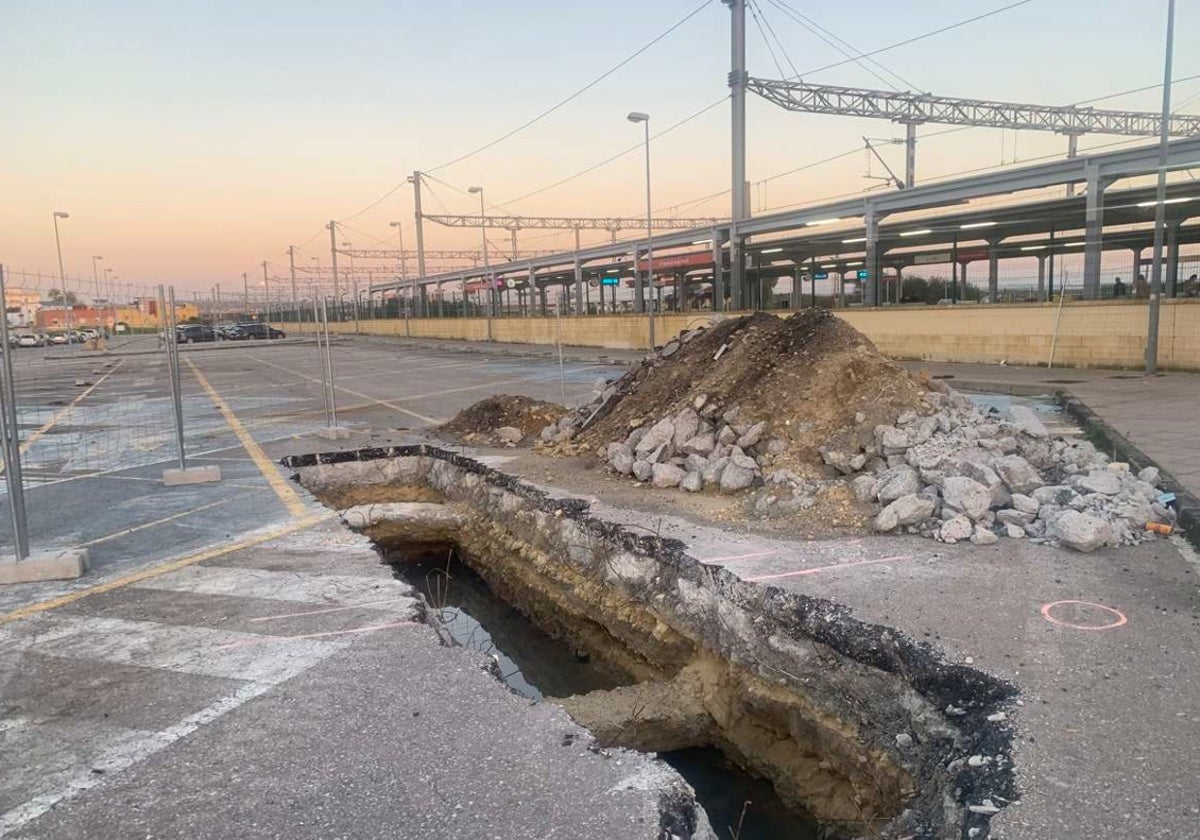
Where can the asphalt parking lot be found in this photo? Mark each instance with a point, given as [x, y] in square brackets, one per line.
[97, 433]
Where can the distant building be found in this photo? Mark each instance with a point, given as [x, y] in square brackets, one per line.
[21, 306]
[143, 315]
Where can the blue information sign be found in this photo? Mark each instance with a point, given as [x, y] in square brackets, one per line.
[863, 274]
[821, 275]
[610, 281]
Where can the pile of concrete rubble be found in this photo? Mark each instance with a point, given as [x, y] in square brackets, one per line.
[700, 447]
[791, 408]
[958, 473]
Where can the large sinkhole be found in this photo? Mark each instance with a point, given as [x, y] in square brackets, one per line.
[536, 665]
[825, 724]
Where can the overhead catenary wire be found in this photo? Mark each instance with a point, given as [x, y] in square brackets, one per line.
[617, 156]
[852, 53]
[779, 41]
[541, 115]
[563, 102]
[762, 31]
[914, 39]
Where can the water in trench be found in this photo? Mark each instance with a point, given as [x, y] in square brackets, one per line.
[534, 665]
[1056, 420]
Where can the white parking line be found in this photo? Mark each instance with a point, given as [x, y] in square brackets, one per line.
[300, 587]
[148, 644]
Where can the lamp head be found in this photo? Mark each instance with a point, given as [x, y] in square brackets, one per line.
[474, 190]
[97, 258]
[59, 214]
[638, 116]
[395, 224]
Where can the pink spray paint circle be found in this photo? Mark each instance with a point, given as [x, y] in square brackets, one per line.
[1081, 611]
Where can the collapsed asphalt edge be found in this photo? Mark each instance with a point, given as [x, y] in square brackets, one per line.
[974, 695]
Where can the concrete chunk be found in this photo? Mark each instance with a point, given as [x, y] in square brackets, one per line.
[44, 565]
[192, 475]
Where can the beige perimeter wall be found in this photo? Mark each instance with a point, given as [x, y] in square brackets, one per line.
[1090, 334]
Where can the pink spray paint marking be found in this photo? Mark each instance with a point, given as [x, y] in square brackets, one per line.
[819, 569]
[1120, 618]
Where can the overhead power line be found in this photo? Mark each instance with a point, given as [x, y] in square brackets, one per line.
[852, 53]
[576, 94]
[540, 116]
[635, 147]
[921, 37]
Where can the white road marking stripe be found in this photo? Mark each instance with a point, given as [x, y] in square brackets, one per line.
[125, 755]
[307, 588]
[184, 649]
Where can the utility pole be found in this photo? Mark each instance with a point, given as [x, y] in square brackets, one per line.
[332, 226]
[1160, 201]
[415, 180]
[267, 292]
[910, 154]
[295, 294]
[246, 293]
[737, 98]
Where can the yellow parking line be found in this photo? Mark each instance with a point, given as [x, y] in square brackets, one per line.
[39, 433]
[286, 493]
[155, 571]
[158, 522]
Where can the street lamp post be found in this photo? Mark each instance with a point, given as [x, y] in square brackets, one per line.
[62, 274]
[487, 268]
[96, 279]
[399, 226]
[1160, 201]
[110, 293]
[267, 294]
[644, 119]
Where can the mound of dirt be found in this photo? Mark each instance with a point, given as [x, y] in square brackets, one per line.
[497, 419]
[810, 377]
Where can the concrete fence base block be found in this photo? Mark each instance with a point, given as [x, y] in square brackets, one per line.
[192, 475]
[44, 565]
[336, 433]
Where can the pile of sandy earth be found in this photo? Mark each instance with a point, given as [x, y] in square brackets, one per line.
[796, 409]
[502, 420]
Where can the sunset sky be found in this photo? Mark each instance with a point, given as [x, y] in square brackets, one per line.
[190, 141]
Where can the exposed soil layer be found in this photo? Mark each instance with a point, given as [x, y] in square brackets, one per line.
[810, 376]
[868, 729]
[480, 422]
[342, 498]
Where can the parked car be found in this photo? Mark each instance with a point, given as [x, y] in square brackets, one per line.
[30, 340]
[192, 333]
[60, 338]
[257, 331]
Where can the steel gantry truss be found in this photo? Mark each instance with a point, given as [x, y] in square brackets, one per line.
[609, 223]
[906, 107]
[476, 256]
[913, 109]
